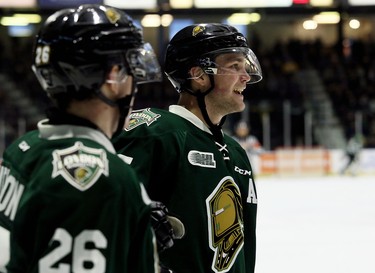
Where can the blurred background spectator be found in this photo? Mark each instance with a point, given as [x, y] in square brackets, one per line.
[317, 91]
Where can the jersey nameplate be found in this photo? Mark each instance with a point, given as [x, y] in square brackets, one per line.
[79, 165]
[11, 191]
[139, 117]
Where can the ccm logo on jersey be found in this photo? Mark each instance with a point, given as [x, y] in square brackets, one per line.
[241, 171]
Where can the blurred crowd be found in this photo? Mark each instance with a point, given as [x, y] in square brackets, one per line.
[347, 71]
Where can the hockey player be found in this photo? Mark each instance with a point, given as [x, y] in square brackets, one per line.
[71, 203]
[352, 152]
[203, 176]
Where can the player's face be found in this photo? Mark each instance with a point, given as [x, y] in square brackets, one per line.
[230, 82]
[242, 131]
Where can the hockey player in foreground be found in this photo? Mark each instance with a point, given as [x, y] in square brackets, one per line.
[71, 203]
[184, 159]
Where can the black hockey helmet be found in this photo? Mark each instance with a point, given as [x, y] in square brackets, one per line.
[75, 48]
[199, 44]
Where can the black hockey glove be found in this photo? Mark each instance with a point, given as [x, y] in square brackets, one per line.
[166, 227]
[162, 228]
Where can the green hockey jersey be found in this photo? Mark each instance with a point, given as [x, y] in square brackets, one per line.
[177, 159]
[73, 205]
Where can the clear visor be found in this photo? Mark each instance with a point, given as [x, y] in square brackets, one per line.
[237, 60]
[143, 64]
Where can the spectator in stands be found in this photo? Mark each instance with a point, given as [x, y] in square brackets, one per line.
[251, 144]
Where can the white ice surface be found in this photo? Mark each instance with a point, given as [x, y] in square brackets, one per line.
[316, 225]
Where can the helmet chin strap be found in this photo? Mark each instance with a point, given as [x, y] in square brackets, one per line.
[214, 128]
[124, 105]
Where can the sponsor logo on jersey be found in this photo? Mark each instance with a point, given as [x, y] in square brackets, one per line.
[202, 159]
[79, 165]
[225, 224]
[139, 117]
[241, 171]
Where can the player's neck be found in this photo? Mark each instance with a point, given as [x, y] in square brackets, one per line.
[102, 115]
[190, 103]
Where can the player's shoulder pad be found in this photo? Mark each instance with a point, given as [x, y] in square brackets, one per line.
[24, 143]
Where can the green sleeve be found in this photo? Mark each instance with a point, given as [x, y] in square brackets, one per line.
[155, 160]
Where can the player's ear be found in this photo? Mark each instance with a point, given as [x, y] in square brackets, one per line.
[199, 79]
[110, 87]
[113, 74]
[196, 73]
